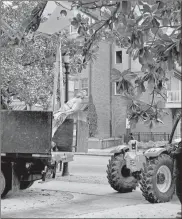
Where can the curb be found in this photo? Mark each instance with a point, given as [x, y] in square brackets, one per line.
[94, 154]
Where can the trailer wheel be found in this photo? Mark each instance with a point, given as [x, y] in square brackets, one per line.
[25, 184]
[4, 185]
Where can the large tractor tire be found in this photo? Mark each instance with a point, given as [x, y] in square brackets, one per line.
[25, 184]
[157, 183]
[4, 184]
[119, 177]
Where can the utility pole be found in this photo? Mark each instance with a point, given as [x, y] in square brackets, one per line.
[62, 99]
[66, 64]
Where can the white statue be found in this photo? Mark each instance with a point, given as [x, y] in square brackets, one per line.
[72, 106]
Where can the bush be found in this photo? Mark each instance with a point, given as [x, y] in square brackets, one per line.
[92, 118]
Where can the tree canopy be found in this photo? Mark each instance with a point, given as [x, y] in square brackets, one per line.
[28, 65]
[150, 31]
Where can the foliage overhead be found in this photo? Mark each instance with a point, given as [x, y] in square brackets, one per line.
[150, 31]
[28, 66]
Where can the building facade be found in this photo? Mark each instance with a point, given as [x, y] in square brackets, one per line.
[174, 98]
[111, 107]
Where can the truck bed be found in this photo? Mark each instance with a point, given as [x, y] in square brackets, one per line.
[26, 132]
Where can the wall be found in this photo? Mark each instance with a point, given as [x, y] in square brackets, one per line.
[119, 104]
[125, 63]
[56, 22]
[100, 89]
[175, 83]
[119, 109]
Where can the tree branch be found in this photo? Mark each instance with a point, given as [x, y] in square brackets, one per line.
[131, 12]
[95, 5]
[92, 38]
[160, 94]
[151, 105]
[103, 5]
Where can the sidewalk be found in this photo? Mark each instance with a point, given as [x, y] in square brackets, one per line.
[162, 210]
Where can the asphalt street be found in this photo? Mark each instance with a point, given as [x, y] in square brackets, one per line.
[85, 194]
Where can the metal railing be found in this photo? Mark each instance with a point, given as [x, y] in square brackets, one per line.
[151, 136]
[174, 96]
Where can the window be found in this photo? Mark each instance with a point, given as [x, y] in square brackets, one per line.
[118, 57]
[116, 92]
[83, 84]
[76, 88]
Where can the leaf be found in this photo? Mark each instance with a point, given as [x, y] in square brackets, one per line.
[131, 22]
[151, 83]
[155, 22]
[151, 124]
[140, 89]
[165, 37]
[115, 71]
[125, 72]
[144, 68]
[115, 74]
[81, 30]
[148, 57]
[140, 2]
[78, 16]
[154, 8]
[165, 21]
[159, 121]
[129, 50]
[146, 8]
[124, 21]
[178, 45]
[130, 76]
[170, 62]
[74, 22]
[154, 30]
[139, 19]
[136, 54]
[147, 21]
[169, 49]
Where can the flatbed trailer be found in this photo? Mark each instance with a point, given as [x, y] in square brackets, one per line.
[26, 154]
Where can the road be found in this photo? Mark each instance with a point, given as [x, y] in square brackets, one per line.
[89, 165]
[85, 193]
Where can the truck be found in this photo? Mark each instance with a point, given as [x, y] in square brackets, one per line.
[26, 151]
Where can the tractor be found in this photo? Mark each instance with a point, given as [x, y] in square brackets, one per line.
[152, 170]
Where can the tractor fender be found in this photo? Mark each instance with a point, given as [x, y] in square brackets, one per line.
[154, 152]
[120, 149]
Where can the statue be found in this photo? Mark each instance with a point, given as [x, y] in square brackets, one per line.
[69, 108]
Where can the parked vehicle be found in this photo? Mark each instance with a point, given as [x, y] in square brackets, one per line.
[152, 169]
[26, 156]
